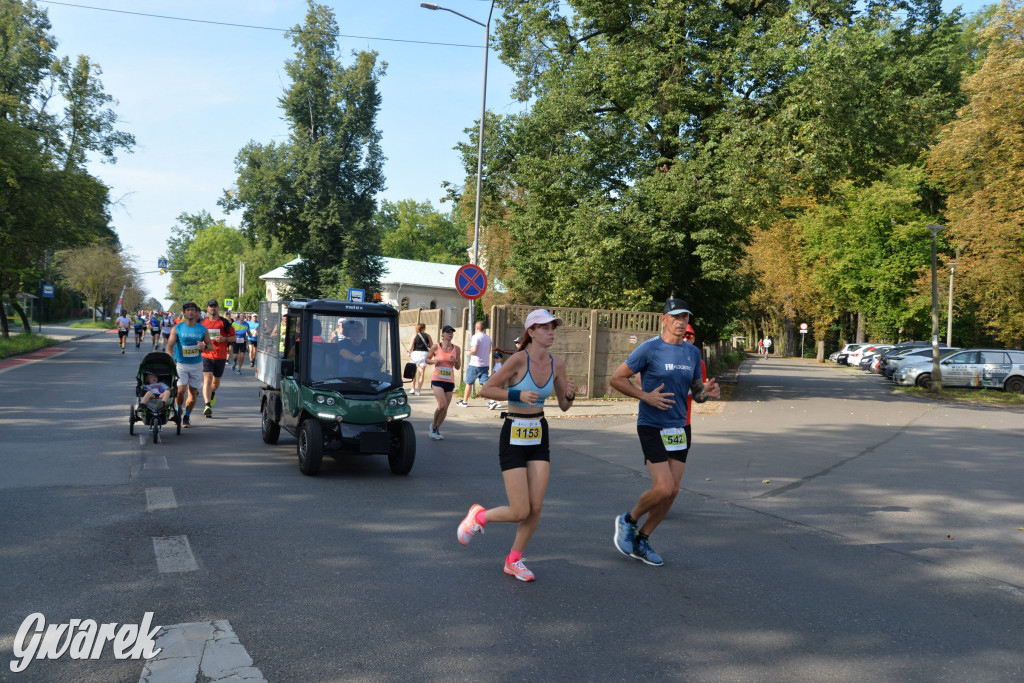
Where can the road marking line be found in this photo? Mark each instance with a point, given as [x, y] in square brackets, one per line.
[208, 647]
[160, 498]
[155, 462]
[174, 554]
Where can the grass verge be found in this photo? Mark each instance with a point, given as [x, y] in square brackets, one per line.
[98, 325]
[23, 343]
[993, 396]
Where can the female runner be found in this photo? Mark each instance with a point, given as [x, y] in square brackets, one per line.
[444, 356]
[532, 374]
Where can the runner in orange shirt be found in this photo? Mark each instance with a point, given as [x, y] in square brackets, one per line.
[222, 334]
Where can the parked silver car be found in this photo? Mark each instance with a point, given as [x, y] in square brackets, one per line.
[991, 368]
[911, 355]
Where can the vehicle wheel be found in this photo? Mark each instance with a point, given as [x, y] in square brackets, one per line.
[271, 430]
[155, 428]
[1014, 384]
[402, 453]
[924, 380]
[310, 447]
[131, 420]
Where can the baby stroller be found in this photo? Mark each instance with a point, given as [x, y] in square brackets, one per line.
[157, 413]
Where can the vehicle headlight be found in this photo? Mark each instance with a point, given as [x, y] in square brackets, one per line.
[320, 399]
[330, 400]
[393, 402]
[401, 400]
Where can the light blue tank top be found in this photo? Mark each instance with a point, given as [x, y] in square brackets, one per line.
[527, 384]
[185, 349]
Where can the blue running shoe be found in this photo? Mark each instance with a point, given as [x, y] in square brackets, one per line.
[642, 551]
[625, 535]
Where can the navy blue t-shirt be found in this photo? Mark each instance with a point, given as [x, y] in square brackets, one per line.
[675, 365]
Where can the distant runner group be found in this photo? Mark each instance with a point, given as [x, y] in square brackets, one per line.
[200, 346]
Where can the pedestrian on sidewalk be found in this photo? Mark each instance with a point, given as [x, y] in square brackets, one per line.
[669, 368]
[418, 350]
[445, 357]
[524, 453]
[479, 354]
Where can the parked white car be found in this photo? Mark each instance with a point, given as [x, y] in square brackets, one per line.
[989, 368]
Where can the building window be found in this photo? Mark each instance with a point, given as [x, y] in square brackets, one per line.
[433, 305]
[405, 303]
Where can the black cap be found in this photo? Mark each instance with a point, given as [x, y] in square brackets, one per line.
[448, 328]
[675, 307]
[213, 302]
[189, 304]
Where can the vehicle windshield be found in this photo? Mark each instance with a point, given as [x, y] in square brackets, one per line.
[356, 353]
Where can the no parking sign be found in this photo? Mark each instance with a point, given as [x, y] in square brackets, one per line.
[471, 281]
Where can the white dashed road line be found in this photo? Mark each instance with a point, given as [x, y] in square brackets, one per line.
[160, 498]
[174, 554]
[208, 648]
[155, 462]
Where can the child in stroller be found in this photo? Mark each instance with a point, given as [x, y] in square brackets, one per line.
[156, 387]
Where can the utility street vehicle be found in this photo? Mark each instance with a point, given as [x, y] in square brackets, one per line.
[330, 375]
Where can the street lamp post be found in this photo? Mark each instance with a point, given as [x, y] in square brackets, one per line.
[936, 379]
[483, 112]
[949, 314]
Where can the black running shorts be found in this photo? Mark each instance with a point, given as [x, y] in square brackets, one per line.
[214, 365]
[653, 445]
[512, 456]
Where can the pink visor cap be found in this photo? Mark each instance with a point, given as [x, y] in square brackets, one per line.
[540, 317]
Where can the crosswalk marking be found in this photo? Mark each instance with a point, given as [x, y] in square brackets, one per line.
[208, 648]
[174, 554]
[160, 498]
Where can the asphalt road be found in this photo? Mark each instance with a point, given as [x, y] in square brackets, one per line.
[829, 529]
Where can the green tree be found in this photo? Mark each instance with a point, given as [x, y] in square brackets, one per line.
[208, 253]
[48, 200]
[979, 162]
[414, 230]
[658, 135]
[316, 192]
[99, 272]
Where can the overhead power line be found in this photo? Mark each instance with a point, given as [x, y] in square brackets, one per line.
[249, 26]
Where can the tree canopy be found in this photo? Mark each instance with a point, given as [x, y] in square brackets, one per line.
[316, 192]
[660, 137]
[979, 163]
[48, 199]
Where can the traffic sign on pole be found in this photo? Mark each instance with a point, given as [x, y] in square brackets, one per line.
[471, 281]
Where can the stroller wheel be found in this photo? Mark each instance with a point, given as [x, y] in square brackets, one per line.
[131, 420]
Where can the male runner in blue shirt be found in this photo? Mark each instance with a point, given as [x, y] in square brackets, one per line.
[669, 367]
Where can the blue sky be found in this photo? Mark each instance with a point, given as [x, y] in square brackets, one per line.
[193, 94]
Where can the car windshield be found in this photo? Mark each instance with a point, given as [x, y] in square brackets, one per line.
[353, 353]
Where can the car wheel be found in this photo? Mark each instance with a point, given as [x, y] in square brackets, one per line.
[1014, 384]
[310, 447]
[270, 429]
[402, 453]
[924, 380]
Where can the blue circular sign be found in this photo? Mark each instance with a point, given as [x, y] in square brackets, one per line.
[471, 281]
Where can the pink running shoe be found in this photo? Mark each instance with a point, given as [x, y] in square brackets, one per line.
[518, 570]
[468, 528]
